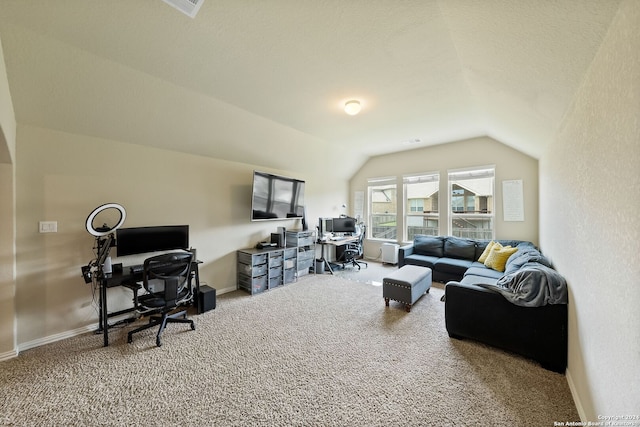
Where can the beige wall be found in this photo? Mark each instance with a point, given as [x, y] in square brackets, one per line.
[7, 217]
[63, 177]
[590, 225]
[509, 164]
[7, 116]
[7, 263]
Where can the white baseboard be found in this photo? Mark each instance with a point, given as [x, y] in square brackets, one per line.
[8, 355]
[56, 337]
[576, 396]
[225, 290]
[68, 334]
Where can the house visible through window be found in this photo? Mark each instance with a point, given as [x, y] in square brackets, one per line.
[471, 198]
[421, 205]
[383, 208]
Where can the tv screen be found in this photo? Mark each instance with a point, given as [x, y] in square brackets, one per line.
[276, 197]
[140, 240]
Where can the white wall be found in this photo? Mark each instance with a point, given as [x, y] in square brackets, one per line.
[509, 164]
[62, 177]
[590, 226]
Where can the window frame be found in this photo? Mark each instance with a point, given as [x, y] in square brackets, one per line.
[373, 228]
[427, 216]
[455, 176]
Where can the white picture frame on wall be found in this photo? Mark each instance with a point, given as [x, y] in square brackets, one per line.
[512, 200]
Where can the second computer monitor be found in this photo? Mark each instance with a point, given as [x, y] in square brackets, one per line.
[344, 225]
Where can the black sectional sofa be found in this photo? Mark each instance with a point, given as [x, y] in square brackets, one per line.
[522, 309]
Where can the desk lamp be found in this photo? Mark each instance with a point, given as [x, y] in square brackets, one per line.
[104, 240]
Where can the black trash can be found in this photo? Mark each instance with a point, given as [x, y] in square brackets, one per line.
[319, 266]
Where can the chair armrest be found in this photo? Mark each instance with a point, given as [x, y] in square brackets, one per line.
[404, 251]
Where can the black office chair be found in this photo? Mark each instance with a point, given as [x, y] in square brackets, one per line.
[354, 251]
[167, 280]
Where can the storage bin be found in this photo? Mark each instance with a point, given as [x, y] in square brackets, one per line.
[253, 284]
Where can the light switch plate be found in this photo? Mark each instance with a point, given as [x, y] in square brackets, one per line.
[48, 226]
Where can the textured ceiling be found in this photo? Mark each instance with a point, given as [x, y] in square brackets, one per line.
[274, 74]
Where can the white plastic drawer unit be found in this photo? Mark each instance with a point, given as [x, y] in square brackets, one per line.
[275, 260]
[253, 284]
[260, 269]
[289, 263]
[305, 264]
[289, 275]
[256, 259]
[253, 271]
[300, 238]
[305, 254]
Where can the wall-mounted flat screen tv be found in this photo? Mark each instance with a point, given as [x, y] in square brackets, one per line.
[140, 240]
[276, 197]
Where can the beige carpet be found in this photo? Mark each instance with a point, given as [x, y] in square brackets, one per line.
[323, 351]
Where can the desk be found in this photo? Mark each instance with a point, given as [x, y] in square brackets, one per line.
[336, 243]
[130, 280]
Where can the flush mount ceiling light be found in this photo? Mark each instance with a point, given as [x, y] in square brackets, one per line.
[352, 107]
[188, 7]
[412, 141]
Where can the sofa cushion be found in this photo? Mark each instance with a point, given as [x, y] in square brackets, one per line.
[472, 279]
[452, 266]
[498, 257]
[421, 260]
[428, 245]
[455, 247]
[478, 269]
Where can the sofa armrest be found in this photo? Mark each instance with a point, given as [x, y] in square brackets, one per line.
[404, 251]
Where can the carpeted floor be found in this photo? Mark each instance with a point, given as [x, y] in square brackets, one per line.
[323, 351]
[372, 273]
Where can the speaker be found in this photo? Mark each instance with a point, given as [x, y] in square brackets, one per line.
[278, 239]
[206, 299]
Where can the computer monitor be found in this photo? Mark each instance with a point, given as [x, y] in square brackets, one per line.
[325, 225]
[139, 240]
[344, 225]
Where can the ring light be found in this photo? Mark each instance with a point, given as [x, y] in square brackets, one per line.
[101, 232]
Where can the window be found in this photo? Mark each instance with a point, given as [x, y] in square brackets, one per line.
[421, 205]
[471, 200]
[383, 208]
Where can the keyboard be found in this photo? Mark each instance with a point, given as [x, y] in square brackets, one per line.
[337, 238]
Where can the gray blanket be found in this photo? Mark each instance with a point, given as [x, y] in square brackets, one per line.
[533, 285]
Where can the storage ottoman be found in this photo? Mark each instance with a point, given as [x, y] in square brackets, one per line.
[406, 285]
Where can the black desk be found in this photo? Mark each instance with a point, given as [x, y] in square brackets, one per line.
[337, 243]
[129, 280]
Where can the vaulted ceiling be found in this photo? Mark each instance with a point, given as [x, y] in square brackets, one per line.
[246, 80]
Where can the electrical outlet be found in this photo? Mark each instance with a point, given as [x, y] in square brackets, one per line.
[48, 226]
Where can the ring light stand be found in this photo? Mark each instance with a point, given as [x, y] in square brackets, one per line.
[104, 240]
[104, 230]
